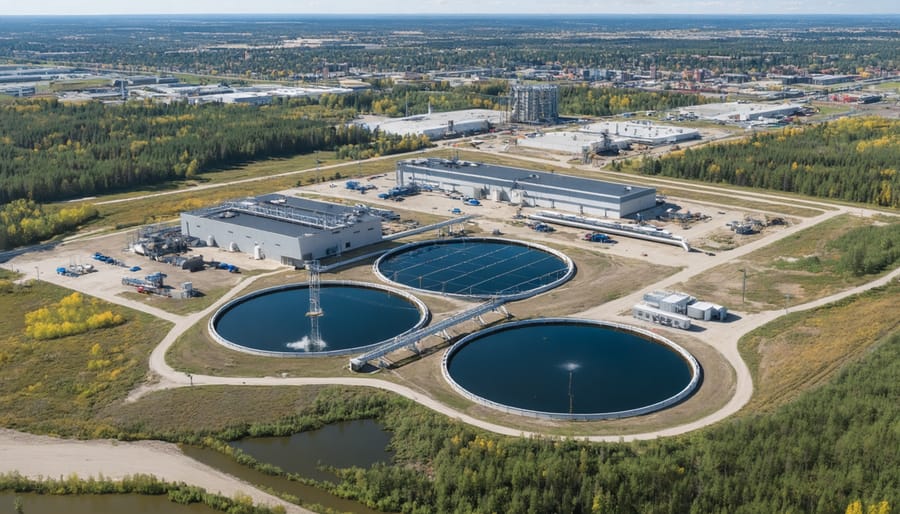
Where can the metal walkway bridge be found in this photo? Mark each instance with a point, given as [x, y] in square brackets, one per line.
[412, 338]
[427, 228]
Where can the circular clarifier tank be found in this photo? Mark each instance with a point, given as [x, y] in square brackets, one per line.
[356, 316]
[562, 368]
[476, 267]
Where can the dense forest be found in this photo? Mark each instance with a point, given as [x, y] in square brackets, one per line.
[851, 159]
[50, 150]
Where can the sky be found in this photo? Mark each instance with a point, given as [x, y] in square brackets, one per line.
[19, 7]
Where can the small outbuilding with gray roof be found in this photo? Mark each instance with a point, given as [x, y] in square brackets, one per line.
[527, 187]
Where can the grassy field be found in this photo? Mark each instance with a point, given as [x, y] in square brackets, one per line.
[166, 207]
[787, 267]
[59, 385]
[893, 86]
[305, 163]
[829, 109]
[804, 350]
[207, 409]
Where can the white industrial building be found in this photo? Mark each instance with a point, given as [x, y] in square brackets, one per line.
[438, 125]
[673, 308]
[642, 132]
[286, 229]
[669, 301]
[738, 111]
[653, 315]
[255, 95]
[577, 143]
[527, 187]
[707, 311]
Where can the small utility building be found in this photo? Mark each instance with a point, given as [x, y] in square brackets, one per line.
[528, 188]
[289, 230]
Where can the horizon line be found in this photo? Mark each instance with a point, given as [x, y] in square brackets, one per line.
[450, 14]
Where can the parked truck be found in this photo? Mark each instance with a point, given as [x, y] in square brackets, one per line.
[597, 237]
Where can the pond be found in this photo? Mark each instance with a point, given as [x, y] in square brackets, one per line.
[342, 445]
[352, 443]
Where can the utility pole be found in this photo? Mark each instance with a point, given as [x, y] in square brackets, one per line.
[744, 285]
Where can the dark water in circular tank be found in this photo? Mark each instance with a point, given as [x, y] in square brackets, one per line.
[473, 267]
[354, 316]
[530, 367]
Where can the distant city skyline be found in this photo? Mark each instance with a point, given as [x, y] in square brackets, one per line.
[590, 7]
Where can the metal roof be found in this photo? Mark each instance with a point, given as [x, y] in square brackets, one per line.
[519, 178]
[290, 216]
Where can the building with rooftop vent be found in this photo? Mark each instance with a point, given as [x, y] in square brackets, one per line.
[286, 229]
[525, 187]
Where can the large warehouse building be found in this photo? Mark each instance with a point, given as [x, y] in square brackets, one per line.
[642, 132]
[289, 230]
[527, 187]
[438, 125]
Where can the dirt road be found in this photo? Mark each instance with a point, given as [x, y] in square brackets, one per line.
[40, 456]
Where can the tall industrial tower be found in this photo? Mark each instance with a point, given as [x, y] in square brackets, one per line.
[315, 308]
[535, 104]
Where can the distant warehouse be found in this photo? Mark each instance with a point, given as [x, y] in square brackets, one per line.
[527, 187]
[289, 230]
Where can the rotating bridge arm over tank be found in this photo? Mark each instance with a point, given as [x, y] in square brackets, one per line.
[410, 339]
